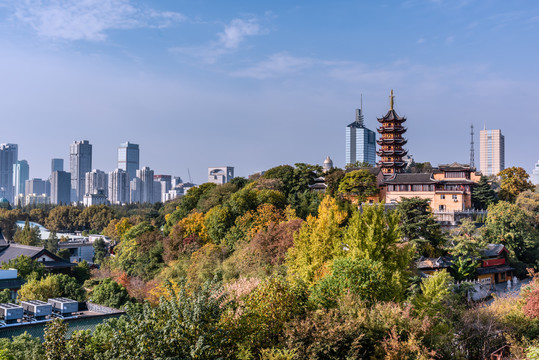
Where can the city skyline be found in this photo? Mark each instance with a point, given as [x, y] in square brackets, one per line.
[273, 83]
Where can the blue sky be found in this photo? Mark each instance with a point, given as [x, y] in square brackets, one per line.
[255, 84]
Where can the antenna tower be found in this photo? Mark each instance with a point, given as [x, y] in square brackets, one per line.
[472, 155]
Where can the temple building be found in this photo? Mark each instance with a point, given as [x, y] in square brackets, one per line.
[391, 141]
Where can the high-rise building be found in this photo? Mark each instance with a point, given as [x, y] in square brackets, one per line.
[80, 159]
[535, 174]
[165, 184]
[147, 187]
[37, 186]
[391, 141]
[96, 181]
[220, 175]
[8, 157]
[360, 142]
[491, 152]
[119, 187]
[128, 158]
[135, 190]
[60, 188]
[21, 173]
[57, 165]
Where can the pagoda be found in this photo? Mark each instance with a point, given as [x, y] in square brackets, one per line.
[391, 141]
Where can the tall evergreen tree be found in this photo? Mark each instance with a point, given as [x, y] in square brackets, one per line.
[482, 194]
[419, 225]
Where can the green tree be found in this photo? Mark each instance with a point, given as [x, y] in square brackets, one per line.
[95, 217]
[508, 224]
[81, 272]
[51, 244]
[109, 293]
[266, 310]
[54, 285]
[5, 296]
[482, 194]
[184, 325]
[284, 173]
[529, 202]
[514, 180]
[419, 226]
[218, 221]
[435, 290]
[366, 279]
[29, 235]
[22, 347]
[62, 218]
[100, 250]
[358, 165]
[360, 183]
[333, 179]
[64, 254]
[317, 243]
[27, 268]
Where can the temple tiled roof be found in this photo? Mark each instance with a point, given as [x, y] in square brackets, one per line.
[493, 250]
[12, 250]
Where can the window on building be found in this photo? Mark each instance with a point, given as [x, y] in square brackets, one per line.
[442, 197]
[454, 197]
[441, 207]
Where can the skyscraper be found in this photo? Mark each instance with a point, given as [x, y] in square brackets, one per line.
[57, 165]
[119, 187]
[360, 142]
[147, 187]
[80, 159]
[491, 152]
[21, 173]
[60, 187]
[128, 158]
[8, 157]
[36, 186]
[96, 181]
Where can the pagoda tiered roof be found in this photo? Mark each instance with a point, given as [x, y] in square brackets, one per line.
[391, 116]
[399, 152]
[396, 129]
[397, 141]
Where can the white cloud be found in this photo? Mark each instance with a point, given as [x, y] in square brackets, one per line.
[88, 19]
[420, 41]
[276, 65]
[450, 39]
[236, 31]
[229, 41]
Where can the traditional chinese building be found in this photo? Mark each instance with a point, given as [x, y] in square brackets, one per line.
[391, 141]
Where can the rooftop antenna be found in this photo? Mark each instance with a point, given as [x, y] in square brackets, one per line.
[359, 113]
[189, 173]
[472, 152]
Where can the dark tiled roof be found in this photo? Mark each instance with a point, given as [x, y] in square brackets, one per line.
[454, 167]
[494, 270]
[419, 178]
[11, 251]
[493, 250]
[392, 115]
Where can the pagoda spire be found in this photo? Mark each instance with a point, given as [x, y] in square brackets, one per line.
[391, 100]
